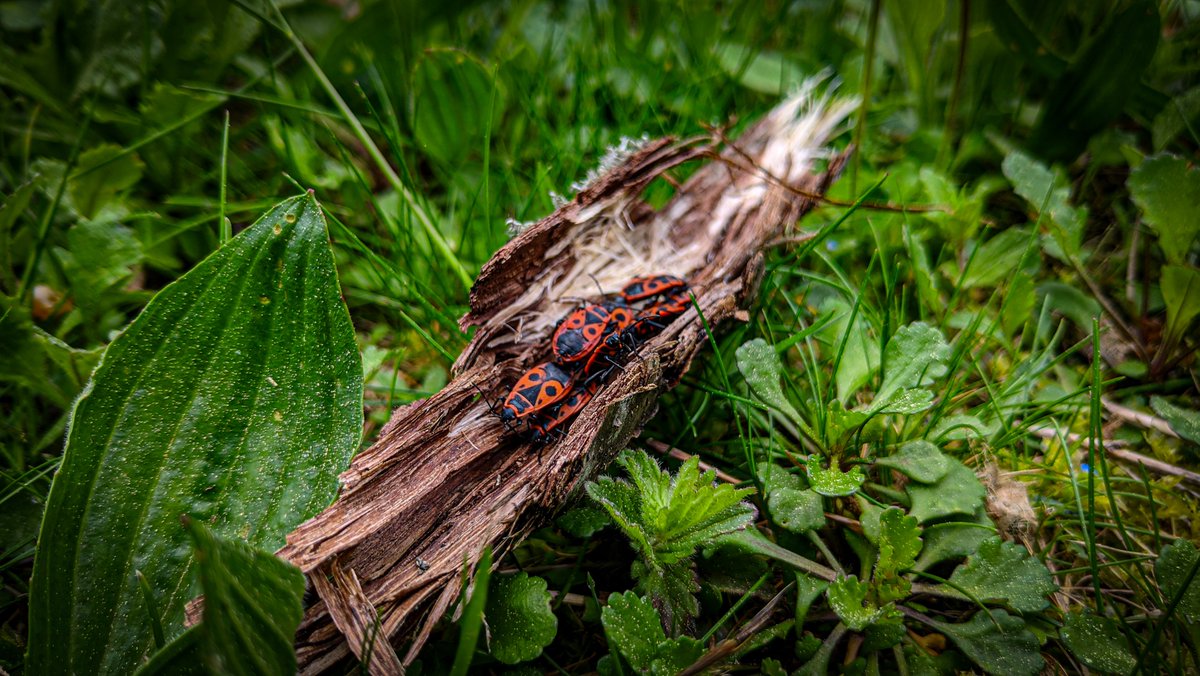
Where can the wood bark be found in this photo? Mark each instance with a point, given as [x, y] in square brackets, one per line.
[446, 479]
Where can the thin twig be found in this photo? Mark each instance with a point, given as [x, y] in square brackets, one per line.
[683, 456]
[724, 649]
[1138, 418]
[1114, 450]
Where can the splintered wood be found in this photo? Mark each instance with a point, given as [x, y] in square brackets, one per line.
[445, 479]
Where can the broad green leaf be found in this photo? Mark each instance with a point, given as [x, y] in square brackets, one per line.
[958, 492]
[759, 364]
[761, 71]
[1097, 84]
[840, 423]
[1181, 294]
[848, 598]
[907, 402]
[832, 481]
[1020, 298]
[520, 622]
[955, 540]
[253, 604]
[899, 543]
[1047, 189]
[793, 505]
[632, 625]
[959, 427]
[914, 357]
[883, 635]
[452, 102]
[1070, 302]
[1003, 571]
[99, 255]
[1167, 190]
[860, 354]
[808, 588]
[920, 460]
[583, 521]
[997, 258]
[1097, 642]
[1172, 568]
[1185, 422]
[100, 174]
[236, 397]
[1001, 643]
[1181, 113]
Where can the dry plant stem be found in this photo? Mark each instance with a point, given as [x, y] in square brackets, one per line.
[1138, 418]
[445, 478]
[1113, 450]
[729, 646]
[683, 456]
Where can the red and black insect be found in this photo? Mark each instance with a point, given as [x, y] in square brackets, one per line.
[540, 387]
[651, 286]
[545, 427]
[582, 330]
[655, 317]
[603, 358]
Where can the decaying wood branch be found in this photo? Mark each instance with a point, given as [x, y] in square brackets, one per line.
[445, 479]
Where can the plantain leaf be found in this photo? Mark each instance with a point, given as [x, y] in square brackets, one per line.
[235, 397]
[520, 620]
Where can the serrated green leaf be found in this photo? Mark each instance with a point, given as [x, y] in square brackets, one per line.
[1003, 571]
[1047, 189]
[759, 364]
[793, 505]
[1097, 642]
[520, 622]
[236, 396]
[672, 589]
[99, 255]
[1185, 422]
[1172, 569]
[1001, 643]
[848, 598]
[918, 460]
[839, 422]
[632, 625]
[252, 606]
[899, 543]
[832, 481]
[914, 357]
[958, 492]
[623, 504]
[945, 541]
[1167, 190]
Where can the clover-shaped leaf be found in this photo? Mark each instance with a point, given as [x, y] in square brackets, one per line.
[520, 622]
[954, 540]
[899, 544]
[832, 481]
[793, 506]
[632, 625]
[1097, 642]
[1002, 571]
[849, 599]
[958, 492]
[919, 460]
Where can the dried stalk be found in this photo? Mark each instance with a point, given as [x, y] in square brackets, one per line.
[445, 479]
